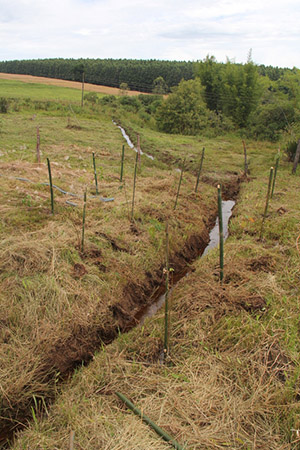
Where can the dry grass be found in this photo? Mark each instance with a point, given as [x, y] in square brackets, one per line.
[231, 380]
[58, 304]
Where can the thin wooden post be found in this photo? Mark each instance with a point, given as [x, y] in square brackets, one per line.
[71, 441]
[297, 157]
[122, 162]
[139, 150]
[149, 422]
[267, 201]
[221, 235]
[245, 159]
[166, 335]
[95, 173]
[134, 183]
[83, 221]
[51, 186]
[82, 89]
[179, 184]
[38, 154]
[275, 172]
[199, 171]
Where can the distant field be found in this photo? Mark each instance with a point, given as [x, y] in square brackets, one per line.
[53, 83]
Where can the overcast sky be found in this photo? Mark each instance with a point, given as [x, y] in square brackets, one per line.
[155, 29]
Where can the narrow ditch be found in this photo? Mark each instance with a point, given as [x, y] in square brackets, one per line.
[80, 347]
[151, 310]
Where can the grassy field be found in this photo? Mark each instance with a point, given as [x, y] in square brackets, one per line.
[231, 379]
[39, 88]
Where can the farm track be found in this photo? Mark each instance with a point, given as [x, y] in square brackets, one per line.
[79, 348]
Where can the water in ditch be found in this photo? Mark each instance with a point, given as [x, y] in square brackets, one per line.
[227, 207]
[129, 142]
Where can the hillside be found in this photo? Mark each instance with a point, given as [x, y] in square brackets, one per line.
[70, 304]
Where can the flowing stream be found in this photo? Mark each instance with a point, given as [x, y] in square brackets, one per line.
[227, 207]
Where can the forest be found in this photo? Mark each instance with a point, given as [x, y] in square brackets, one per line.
[203, 97]
[137, 74]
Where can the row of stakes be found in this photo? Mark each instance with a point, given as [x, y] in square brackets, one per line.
[121, 180]
[271, 185]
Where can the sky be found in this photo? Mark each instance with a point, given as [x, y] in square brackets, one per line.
[158, 29]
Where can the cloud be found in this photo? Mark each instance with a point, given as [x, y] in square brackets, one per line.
[171, 29]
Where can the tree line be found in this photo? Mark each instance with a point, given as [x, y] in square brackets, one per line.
[229, 97]
[203, 95]
[137, 74]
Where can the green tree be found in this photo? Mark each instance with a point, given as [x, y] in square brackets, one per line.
[124, 88]
[239, 91]
[184, 110]
[209, 72]
[160, 86]
[78, 71]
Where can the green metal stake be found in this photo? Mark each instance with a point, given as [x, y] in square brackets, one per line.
[148, 421]
[51, 186]
[122, 163]
[179, 184]
[275, 172]
[83, 221]
[95, 173]
[221, 235]
[134, 183]
[267, 201]
[199, 171]
[166, 337]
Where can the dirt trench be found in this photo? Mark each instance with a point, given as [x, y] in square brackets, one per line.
[83, 341]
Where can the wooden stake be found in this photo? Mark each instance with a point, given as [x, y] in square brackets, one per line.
[166, 336]
[82, 89]
[71, 441]
[51, 186]
[275, 172]
[139, 150]
[83, 221]
[245, 159]
[199, 171]
[95, 173]
[122, 163]
[267, 201]
[134, 183]
[179, 184]
[221, 235]
[38, 155]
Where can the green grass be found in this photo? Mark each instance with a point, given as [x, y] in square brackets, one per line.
[232, 377]
[30, 92]
[40, 92]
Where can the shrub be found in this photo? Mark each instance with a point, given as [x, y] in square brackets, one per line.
[184, 111]
[91, 97]
[130, 103]
[108, 100]
[3, 105]
[270, 119]
[290, 140]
